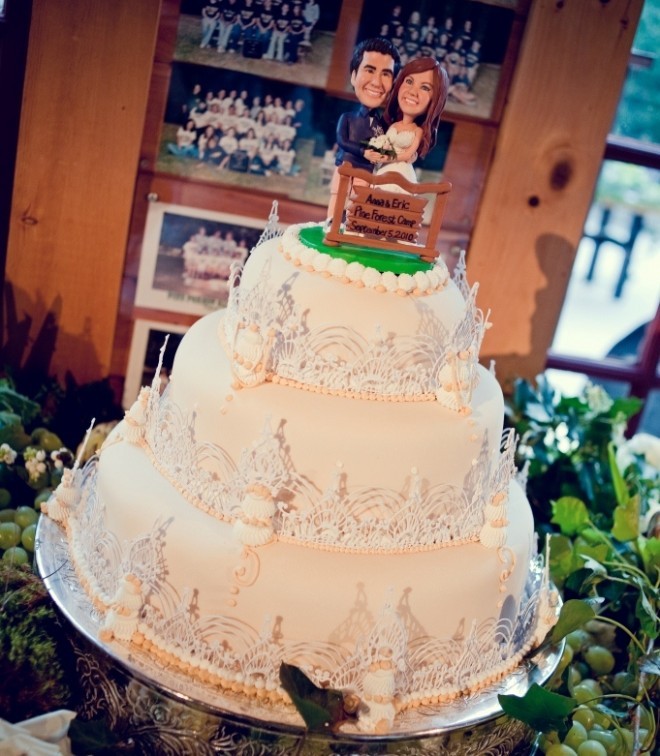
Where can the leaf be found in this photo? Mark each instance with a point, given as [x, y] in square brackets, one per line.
[650, 663]
[570, 514]
[562, 558]
[539, 708]
[320, 708]
[649, 549]
[597, 553]
[627, 406]
[647, 616]
[626, 520]
[12, 401]
[581, 580]
[574, 613]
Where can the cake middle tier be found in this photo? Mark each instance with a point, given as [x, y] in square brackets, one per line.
[373, 456]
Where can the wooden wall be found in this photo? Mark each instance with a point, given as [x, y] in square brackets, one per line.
[74, 236]
[547, 157]
[87, 78]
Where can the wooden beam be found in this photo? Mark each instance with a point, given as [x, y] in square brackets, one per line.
[87, 78]
[548, 153]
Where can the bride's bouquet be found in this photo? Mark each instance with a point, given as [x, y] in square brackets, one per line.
[380, 143]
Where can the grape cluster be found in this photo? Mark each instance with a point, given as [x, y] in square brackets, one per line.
[603, 722]
[18, 527]
[31, 467]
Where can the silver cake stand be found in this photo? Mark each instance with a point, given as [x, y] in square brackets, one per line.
[160, 711]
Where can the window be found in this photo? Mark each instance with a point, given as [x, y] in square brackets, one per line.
[609, 329]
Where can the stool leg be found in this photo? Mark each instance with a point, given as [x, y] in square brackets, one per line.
[598, 238]
[635, 228]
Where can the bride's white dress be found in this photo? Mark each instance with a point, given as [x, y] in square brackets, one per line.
[400, 140]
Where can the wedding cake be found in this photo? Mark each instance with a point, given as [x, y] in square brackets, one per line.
[324, 482]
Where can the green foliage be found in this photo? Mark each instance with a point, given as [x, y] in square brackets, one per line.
[573, 615]
[322, 709]
[541, 709]
[637, 114]
[598, 514]
[38, 670]
[565, 441]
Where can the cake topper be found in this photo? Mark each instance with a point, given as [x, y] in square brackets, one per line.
[386, 209]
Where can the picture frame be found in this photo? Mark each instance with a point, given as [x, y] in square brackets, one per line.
[469, 37]
[148, 340]
[249, 48]
[187, 256]
[306, 175]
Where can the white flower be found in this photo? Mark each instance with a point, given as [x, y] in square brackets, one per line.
[7, 454]
[381, 143]
[598, 399]
[643, 444]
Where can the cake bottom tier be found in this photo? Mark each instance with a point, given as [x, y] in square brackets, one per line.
[398, 628]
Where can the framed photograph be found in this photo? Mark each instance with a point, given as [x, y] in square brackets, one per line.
[468, 37]
[187, 255]
[282, 141]
[289, 41]
[149, 338]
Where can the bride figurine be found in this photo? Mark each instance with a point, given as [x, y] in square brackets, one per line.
[413, 113]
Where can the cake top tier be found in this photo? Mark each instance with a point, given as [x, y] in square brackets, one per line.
[305, 318]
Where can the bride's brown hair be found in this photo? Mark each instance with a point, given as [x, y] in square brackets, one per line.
[429, 120]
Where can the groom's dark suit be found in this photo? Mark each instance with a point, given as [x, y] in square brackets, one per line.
[353, 132]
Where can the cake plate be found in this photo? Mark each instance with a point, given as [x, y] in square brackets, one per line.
[156, 709]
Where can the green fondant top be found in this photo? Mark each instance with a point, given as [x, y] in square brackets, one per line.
[381, 259]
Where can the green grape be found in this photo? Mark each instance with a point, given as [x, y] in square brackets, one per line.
[10, 535]
[42, 496]
[576, 735]
[585, 716]
[645, 718]
[574, 676]
[560, 749]
[25, 516]
[587, 691]
[625, 683]
[7, 515]
[5, 498]
[628, 739]
[583, 668]
[16, 555]
[28, 537]
[547, 740]
[600, 659]
[566, 658]
[602, 719]
[46, 439]
[591, 748]
[578, 639]
[606, 738]
[625, 742]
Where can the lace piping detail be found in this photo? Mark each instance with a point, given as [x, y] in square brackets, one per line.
[266, 338]
[393, 665]
[265, 491]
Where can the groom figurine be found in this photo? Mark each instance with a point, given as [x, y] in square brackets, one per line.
[373, 67]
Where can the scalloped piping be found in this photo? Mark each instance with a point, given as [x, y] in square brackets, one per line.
[419, 284]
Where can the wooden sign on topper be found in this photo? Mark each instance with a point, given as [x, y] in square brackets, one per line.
[384, 219]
